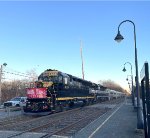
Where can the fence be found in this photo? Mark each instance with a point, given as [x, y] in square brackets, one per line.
[146, 98]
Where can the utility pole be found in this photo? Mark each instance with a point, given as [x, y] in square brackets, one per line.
[1, 84]
[1, 71]
[82, 59]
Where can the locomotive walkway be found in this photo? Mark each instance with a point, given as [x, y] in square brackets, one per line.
[119, 123]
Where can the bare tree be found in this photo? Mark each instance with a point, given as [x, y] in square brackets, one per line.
[112, 85]
[32, 75]
[16, 88]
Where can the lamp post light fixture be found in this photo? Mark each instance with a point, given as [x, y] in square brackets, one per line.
[118, 38]
[127, 79]
[124, 69]
[1, 71]
[132, 92]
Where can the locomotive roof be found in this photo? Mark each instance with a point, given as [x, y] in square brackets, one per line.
[80, 79]
[51, 70]
[73, 77]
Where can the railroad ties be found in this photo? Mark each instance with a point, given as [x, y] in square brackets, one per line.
[66, 123]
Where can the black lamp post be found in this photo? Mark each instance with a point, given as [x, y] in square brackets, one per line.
[127, 79]
[129, 85]
[118, 38]
[132, 92]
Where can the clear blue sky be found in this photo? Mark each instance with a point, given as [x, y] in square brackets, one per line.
[47, 34]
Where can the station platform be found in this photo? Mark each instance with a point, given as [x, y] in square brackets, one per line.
[120, 122]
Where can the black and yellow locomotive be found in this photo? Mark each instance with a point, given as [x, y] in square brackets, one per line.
[56, 91]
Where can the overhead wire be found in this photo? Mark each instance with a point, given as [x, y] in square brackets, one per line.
[17, 73]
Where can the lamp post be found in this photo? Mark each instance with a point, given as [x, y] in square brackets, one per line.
[132, 92]
[1, 70]
[118, 38]
[129, 86]
[128, 78]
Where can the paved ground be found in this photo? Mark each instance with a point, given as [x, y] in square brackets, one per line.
[119, 123]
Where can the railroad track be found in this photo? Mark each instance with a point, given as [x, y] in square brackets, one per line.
[64, 123]
[15, 119]
[71, 127]
[34, 124]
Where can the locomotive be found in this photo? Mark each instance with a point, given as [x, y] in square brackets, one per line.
[57, 91]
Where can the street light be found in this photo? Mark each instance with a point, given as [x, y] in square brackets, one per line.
[129, 86]
[127, 79]
[132, 92]
[124, 69]
[118, 38]
[129, 82]
[1, 70]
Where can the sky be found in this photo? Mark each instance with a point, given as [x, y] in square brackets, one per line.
[46, 35]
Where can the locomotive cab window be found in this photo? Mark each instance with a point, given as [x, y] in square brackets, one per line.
[70, 78]
[60, 79]
[65, 80]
